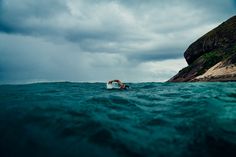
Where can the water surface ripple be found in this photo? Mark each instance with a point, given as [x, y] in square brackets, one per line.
[149, 120]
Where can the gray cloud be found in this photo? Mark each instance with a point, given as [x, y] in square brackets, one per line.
[153, 56]
[22, 17]
[75, 39]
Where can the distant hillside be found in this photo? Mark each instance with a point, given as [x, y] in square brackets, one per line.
[212, 57]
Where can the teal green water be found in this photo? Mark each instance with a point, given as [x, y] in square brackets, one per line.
[150, 120]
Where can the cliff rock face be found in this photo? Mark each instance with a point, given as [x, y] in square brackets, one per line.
[212, 57]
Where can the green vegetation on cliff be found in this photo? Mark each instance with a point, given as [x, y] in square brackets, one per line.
[218, 45]
[222, 37]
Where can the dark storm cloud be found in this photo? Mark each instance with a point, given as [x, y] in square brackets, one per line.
[77, 39]
[104, 20]
[21, 16]
[29, 16]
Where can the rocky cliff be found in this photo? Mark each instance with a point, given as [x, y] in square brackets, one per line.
[212, 57]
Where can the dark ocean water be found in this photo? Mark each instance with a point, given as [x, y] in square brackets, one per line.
[150, 120]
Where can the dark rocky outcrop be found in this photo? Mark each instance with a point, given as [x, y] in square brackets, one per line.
[216, 47]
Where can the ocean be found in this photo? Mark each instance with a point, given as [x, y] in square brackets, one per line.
[148, 120]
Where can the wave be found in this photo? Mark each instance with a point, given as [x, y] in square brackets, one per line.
[85, 119]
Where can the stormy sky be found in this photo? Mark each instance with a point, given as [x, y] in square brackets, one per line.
[99, 40]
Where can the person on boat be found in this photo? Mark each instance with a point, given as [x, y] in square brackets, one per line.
[122, 85]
